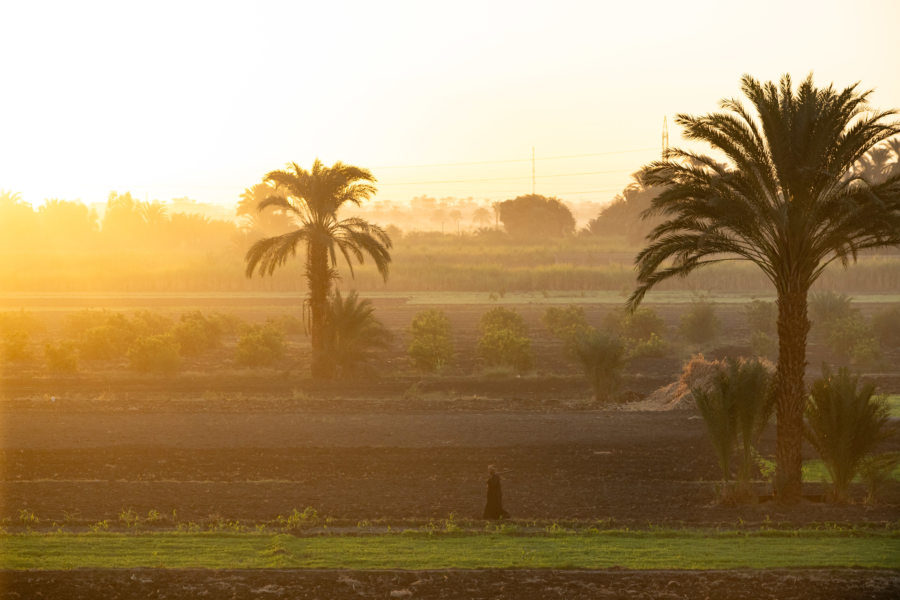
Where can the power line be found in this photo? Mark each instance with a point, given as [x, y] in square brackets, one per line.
[518, 178]
[512, 160]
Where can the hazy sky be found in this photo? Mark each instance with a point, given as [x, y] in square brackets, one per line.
[201, 99]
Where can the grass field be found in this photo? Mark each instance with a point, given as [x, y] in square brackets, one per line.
[629, 550]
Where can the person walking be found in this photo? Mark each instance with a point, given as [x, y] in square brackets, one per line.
[493, 509]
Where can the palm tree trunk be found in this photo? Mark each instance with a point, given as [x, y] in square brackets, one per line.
[790, 392]
[319, 280]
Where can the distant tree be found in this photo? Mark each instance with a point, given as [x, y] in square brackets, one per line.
[153, 213]
[481, 217]
[268, 222]
[18, 221]
[64, 222]
[536, 217]
[312, 199]
[622, 216]
[122, 219]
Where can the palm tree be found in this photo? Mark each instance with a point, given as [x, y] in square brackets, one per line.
[790, 199]
[312, 199]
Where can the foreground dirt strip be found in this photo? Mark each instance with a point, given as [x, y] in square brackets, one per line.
[519, 584]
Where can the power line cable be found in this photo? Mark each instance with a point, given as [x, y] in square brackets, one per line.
[512, 160]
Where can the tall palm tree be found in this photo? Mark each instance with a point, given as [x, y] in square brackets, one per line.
[791, 198]
[312, 199]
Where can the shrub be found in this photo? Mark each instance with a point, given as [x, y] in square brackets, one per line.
[504, 318]
[504, 339]
[844, 332]
[155, 354]
[430, 346]
[654, 346]
[19, 321]
[827, 306]
[886, 324]
[565, 323]
[227, 323]
[146, 322]
[638, 325]
[699, 324]
[288, 324]
[845, 423]
[14, 345]
[260, 345]
[197, 334]
[764, 344]
[353, 335]
[104, 335]
[762, 317]
[61, 357]
[601, 356]
[736, 405]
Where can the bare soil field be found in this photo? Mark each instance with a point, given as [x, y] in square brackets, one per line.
[134, 584]
[634, 468]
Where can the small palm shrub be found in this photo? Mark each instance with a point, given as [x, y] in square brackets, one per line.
[61, 357]
[876, 470]
[700, 323]
[504, 340]
[736, 405]
[260, 345]
[430, 346]
[155, 354]
[353, 335]
[602, 357]
[845, 423]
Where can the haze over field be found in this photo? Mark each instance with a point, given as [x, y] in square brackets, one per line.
[200, 99]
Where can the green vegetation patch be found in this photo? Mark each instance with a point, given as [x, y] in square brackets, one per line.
[815, 471]
[414, 550]
[894, 405]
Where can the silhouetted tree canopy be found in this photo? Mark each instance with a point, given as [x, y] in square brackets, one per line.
[623, 215]
[535, 216]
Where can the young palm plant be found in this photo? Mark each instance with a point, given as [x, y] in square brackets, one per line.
[792, 197]
[736, 407]
[353, 335]
[845, 423]
[312, 200]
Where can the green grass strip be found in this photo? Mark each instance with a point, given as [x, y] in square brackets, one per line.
[595, 551]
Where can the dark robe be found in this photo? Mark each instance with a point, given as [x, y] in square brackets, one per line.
[494, 507]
